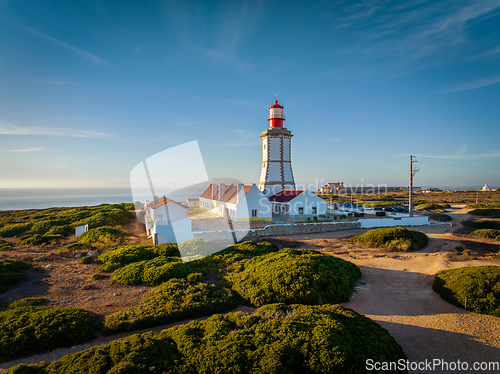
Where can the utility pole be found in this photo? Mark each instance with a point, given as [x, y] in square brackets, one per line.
[412, 173]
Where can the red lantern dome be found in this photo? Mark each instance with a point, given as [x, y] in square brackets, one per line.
[276, 116]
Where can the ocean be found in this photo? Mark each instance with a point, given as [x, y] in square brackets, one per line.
[16, 199]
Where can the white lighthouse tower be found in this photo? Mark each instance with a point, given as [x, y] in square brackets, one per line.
[276, 172]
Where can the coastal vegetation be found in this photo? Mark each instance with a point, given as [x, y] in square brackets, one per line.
[277, 338]
[487, 234]
[10, 273]
[476, 287]
[294, 276]
[440, 217]
[393, 238]
[26, 327]
[4, 245]
[483, 223]
[172, 301]
[44, 226]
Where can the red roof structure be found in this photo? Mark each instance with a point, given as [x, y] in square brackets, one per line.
[285, 196]
[162, 201]
[229, 196]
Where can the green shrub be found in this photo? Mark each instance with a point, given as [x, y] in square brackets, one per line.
[166, 249]
[193, 249]
[102, 235]
[173, 301]
[127, 254]
[393, 238]
[15, 229]
[480, 285]
[64, 230]
[128, 206]
[26, 328]
[483, 224]
[194, 277]
[486, 233]
[440, 217]
[78, 247]
[295, 276]
[97, 276]
[10, 273]
[87, 260]
[38, 239]
[4, 246]
[494, 213]
[154, 275]
[380, 214]
[276, 339]
[434, 207]
[109, 267]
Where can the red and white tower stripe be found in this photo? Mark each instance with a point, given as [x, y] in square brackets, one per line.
[276, 172]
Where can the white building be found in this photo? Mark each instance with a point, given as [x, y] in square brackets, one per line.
[276, 171]
[486, 187]
[238, 202]
[297, 203]
[193, 202]
[331, 187]
[167, 221]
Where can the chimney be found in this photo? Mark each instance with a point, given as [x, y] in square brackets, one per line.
[222, 190]
[213, 191]
[156, 200]
[240, 192]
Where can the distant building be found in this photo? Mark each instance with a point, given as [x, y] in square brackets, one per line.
[193, 202]
[486, 188]
[331, 187]
[297, 203]
[239, 202]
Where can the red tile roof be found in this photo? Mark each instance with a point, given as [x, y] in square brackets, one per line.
[162, 201]
[285, 196]
[229, 196]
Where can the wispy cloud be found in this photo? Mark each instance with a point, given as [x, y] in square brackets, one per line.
[9, 129]
[78, 51]
[23, 150]
[474, 84]
[462, 156]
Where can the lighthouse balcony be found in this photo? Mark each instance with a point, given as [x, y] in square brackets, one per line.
[276, 116]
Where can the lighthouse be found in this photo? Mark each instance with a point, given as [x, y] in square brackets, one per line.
[276, 172]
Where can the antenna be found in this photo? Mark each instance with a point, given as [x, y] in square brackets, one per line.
[412, 174]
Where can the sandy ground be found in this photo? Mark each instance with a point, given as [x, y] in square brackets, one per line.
[395, 290]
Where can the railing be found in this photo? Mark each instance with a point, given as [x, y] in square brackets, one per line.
[277, 116]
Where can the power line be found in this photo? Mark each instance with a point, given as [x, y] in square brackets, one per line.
[412, 174]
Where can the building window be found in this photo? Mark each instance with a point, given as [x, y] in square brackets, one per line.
[314, 210]
[276, 208]
[254, 212]
[301, 210]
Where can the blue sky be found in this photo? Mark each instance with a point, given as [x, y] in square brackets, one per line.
[88, 89]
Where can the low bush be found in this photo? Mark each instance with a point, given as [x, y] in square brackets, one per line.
[102, 235]
[486, 233]
[152, 272]
[380, 214]
[480, 286]
[87, 260]
[4, 246]
[483, 224]
[485, 212]
[173, 301]
[433, 207]
[37, 239]
[26, 328]
[193, 249]
[276, 339]
[64, 230]
[15, 229]
[393, 238]
[440, 217]
[127, 254]
[97, 276]
[10, 273]
[295, 276]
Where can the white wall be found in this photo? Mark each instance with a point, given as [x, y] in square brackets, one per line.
[368, 223]
[172, 231]
[253, 199]
[175, 212]
[307, 200]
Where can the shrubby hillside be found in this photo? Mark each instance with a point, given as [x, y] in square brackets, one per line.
[26, 327]
[10, 273]
[277, 339]
[480, 285]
